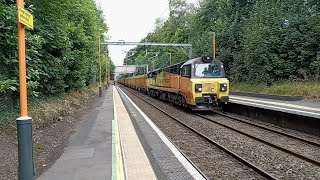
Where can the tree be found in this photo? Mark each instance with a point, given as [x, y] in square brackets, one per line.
[61, 50]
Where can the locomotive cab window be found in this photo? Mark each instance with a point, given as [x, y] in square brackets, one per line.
[210, 70]
[186, 71]
[174, 69]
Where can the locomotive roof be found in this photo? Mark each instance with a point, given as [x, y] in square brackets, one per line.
[200, 59]
[173, 65]
[191, 61]
[155, 70]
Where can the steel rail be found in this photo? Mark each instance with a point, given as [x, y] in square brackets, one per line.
[224, 149]
[264, 141]
[270, 129]
[183, 154]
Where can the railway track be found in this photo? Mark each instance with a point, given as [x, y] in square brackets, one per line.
[267, 142]
[293, 145]
[264, 127]
[229, 152]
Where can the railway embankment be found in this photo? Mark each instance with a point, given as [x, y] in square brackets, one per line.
[54, 121]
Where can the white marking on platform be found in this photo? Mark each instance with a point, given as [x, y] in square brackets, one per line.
[279, 108]
[276, 103]
[192, 170]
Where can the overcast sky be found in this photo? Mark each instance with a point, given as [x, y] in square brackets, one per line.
[131, 20]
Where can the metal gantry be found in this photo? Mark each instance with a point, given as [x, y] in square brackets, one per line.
[123, 43]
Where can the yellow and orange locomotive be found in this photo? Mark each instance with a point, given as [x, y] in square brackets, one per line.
[198, 84]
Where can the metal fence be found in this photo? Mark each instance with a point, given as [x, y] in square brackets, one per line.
[8, 108]
[7, 102]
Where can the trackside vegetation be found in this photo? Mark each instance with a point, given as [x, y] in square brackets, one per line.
[259, 41]
[62, 50]
[308, 89]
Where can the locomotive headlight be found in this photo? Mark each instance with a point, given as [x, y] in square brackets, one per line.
[198, 87]
[223, 87]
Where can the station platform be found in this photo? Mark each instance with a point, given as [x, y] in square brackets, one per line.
[302, 107]
[116, 140]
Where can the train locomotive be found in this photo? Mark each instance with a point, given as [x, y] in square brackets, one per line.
[198, 84]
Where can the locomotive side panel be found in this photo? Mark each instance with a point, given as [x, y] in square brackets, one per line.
[199, 83]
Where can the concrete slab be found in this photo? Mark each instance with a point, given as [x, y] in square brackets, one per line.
[86, 172]
[77, 154]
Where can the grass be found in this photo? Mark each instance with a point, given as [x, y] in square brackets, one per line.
[307, 89]
[53, 109]
[7, 121]
[44, 108]
[38, 147]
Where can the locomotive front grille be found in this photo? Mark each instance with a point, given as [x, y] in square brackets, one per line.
[206, 98]
[206, 87]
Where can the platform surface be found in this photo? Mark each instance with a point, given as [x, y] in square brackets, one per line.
[135, 162]
[166, 160]
[301, 107]
[116, 140]
[88, 154]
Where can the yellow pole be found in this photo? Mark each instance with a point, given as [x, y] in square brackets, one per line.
[24, 123]
[22, 66]
[99, 57]
[106, 72]
[214, 45]
[170, 58]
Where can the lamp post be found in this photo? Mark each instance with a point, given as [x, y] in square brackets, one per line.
[213, 44]
[107, 69]
[107, 73]
[157, 53]
[99, 59]
[24, 122]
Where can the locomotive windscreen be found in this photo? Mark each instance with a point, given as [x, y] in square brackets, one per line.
[210, 70]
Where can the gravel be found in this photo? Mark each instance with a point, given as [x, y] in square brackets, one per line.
[277, 163]
[214, 163]
[292, 132]
[288, 143]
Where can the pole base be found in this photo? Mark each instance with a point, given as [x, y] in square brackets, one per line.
[100, 91]
[26, 169]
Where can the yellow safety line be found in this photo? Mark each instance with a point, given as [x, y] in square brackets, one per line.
[119, 155]
[276, 103]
